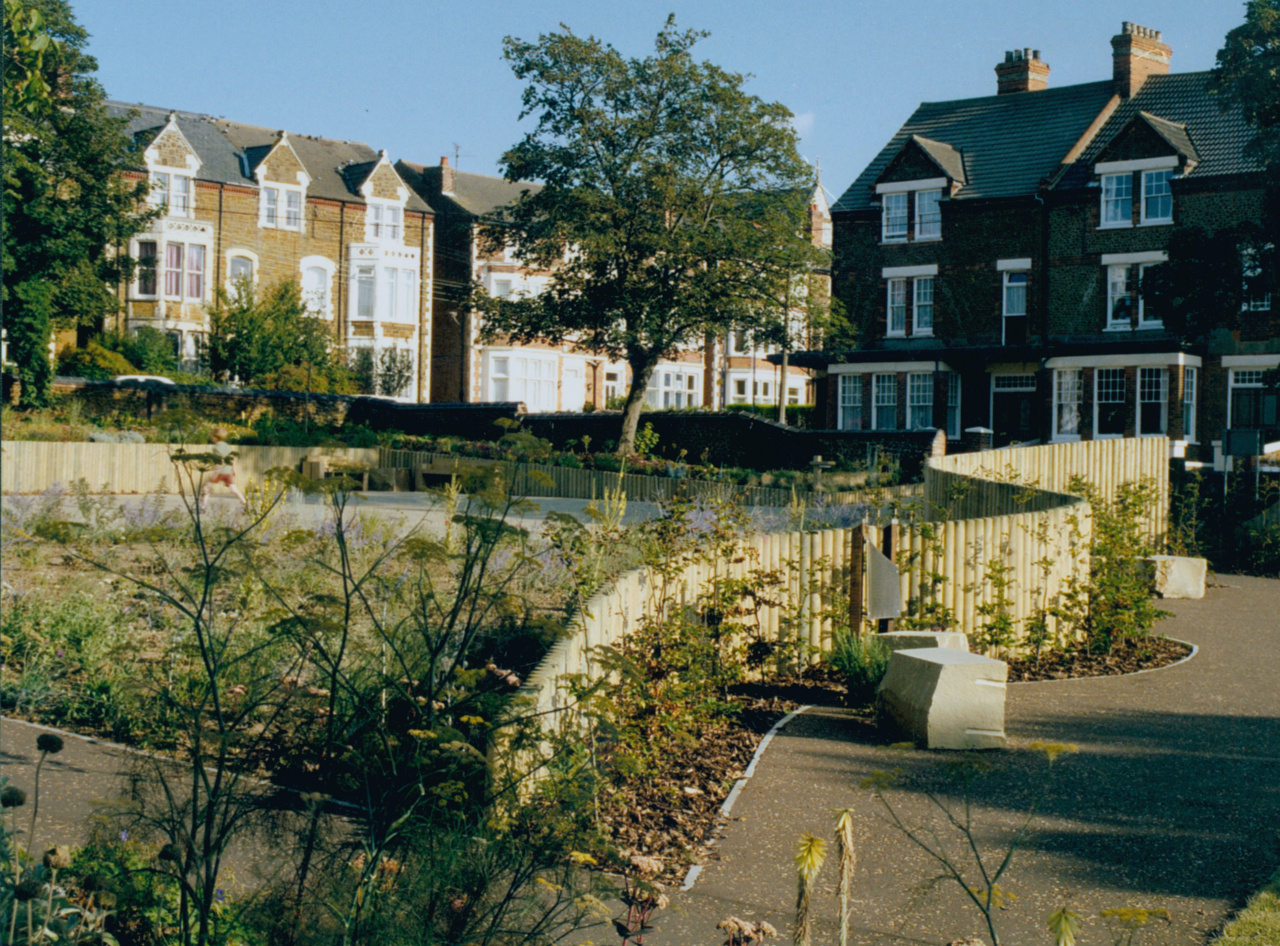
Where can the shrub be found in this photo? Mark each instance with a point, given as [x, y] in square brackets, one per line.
[862, 659]
[93, 362]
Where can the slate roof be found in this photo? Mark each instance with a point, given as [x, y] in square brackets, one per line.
[229, 151]
[480, 195]
[946, 157]
[1174, 134]
[1009, 142]
[1218, 137]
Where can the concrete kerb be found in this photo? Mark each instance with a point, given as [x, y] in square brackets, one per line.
[692, 876]
[1195, 649]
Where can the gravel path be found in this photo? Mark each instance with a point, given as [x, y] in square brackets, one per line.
[1172, 802]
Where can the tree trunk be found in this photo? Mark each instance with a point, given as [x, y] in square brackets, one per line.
[640, 375]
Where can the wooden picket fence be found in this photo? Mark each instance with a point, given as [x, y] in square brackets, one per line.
[978, 512]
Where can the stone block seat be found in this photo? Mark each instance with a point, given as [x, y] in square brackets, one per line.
[1179, 576]
[946, 698]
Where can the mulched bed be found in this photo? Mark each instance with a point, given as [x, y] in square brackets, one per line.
[1128, 656]
[674, 815]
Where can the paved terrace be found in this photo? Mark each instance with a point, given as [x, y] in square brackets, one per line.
[1172, 802]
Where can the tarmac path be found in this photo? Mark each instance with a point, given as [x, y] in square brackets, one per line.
[1172, 802]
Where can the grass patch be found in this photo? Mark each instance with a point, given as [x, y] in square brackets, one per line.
[1258, 924]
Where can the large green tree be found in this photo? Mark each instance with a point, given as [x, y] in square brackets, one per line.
[68, 214]
[1247, 75]
[673, 203]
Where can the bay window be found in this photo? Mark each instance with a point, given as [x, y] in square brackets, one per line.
[184, 271]
[884, 406]
[919, 401]
[364, 292]
[1068, 392]
[1108, 402]
[1153, 401]
[850, 416]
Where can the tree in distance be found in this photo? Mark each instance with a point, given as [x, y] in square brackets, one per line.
[672, 208]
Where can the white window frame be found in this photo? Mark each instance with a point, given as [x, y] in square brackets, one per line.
[922, 286]
[156, 269]
[236, 254]
[383, 221]
[359, 272]
[1143, 321]
[884, 399]
[273, 206]
[1009, 282]
[1117, 275]
[1066, 383]
[896, 288]
[325, 309]
[929, 222]
[1190, 377]
[1149, 179]
[1117, 190]
[185, 273]
[849, 402]
[676, 386]
[164, 196]
[1161, 374]
[901, 212]
[919, 400]
[1097, 399]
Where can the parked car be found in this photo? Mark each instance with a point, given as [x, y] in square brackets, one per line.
[143, 378]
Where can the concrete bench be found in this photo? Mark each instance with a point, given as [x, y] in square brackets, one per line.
[913, 640]
[946, 698]
[1178, 576]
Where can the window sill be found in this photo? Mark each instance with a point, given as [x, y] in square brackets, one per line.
[1150, 326]
[918, 334]
[928, 239]
[1118, 328]
[1065, 438]
[1157, 223]
[895, 334]
[892, 241]
[1116, 226]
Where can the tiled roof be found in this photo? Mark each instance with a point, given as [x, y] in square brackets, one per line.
[1173, 133]
[229, 151]
[1009, 142]
[479, 195]
[946, 157]
[1219, 137]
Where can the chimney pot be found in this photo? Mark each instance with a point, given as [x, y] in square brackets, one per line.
[1022, 71]
[444, 162]
[1137, 52]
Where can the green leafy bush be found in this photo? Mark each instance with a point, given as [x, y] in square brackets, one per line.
[94, 362]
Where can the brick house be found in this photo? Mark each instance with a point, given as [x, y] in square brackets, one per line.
[242, 202]
[992, 255]
[560, 377]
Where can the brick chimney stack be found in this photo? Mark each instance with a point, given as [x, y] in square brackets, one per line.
[1022, 71]
[1137, 53]
[446, 176]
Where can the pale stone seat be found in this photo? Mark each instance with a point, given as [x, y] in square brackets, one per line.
[946, 698]
[911, 640]
[1179, 576]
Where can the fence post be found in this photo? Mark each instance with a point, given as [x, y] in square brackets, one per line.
[889, 545]
[857, 566]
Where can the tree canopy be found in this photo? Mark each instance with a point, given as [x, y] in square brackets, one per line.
[673, 203]
[68, 214]
[1247, 74]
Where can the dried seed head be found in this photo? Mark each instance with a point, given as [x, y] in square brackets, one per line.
[12, 797]
[58, 858]
[27, 890]
[48, 742]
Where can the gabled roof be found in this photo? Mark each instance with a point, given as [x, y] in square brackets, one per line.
[479, 195]
[229, 151]
[1173, 133]
[949, 161]
[1179, 106]
[1007, 143]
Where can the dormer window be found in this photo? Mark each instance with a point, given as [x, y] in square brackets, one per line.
[281, 208]
[928, 215]
[172, 191]
[382, 222]
[895, 217]
[1157, 196]
[1117, 200]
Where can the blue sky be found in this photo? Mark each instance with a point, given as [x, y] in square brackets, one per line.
[428, 79]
